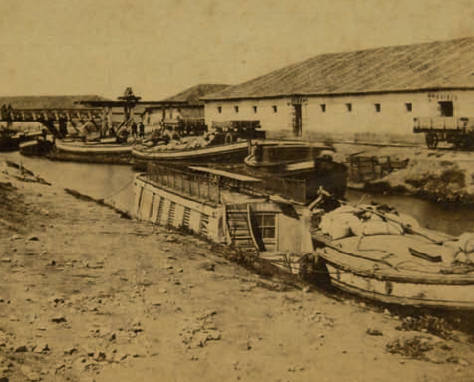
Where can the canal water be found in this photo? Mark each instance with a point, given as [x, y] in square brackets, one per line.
[114, 183]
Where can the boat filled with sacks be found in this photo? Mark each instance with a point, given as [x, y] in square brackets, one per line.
[377, 253]
[224, 143]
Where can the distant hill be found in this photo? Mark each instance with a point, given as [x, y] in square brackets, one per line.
[48, 102]
[192, 95]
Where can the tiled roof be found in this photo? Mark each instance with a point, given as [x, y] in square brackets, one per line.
[427, 66]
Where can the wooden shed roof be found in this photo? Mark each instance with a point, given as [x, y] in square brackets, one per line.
[426, 66]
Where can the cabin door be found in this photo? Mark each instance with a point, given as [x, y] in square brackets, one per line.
[297, 120]
[446, 108]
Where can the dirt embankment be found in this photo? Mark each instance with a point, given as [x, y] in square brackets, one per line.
[438, 175]
[87, 295]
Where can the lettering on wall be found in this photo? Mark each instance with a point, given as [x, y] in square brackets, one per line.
[297, 100]
[442, 97]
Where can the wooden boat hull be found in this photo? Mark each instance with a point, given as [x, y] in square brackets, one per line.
[229, 153]
[99, 153]
[413, 281]
[8, 143]
[13, 142]
[446, 296]
[38, 147]
[331, 176]
[296, 160]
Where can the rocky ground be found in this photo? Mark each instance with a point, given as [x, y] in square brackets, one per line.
[88, 295]
[441, 175]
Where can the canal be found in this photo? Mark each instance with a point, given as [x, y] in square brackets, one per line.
[114, 183]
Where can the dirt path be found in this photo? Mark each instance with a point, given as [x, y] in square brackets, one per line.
[87, 295]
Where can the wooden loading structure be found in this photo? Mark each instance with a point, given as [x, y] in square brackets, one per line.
[97, 112]
[129, 103]
[55, 120]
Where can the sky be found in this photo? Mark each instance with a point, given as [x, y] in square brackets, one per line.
[161, 47]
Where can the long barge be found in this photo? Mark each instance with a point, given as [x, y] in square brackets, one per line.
[108, 153]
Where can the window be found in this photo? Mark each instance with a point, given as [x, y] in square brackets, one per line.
[445, 108]
[275, 108]
[219, 109]
[236, 108]
[255, 109]
[408, 107]
[323, 107]
[349, 107]
[377, 107]
[266, 224]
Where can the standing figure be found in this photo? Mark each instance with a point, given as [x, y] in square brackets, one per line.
[141, 126]
[4, 112]
[134, 129]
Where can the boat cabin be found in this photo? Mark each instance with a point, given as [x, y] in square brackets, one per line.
[224, 207]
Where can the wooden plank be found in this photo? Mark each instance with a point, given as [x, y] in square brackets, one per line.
[425, 256]
[226, 174]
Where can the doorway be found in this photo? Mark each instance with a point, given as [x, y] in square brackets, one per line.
[446, 108]
[297, 120]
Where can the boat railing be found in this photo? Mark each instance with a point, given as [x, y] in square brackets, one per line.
[369, 168]
[209, 186]
[292, 189]
[185, 182]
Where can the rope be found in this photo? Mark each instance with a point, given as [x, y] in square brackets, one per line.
[118, 192]
[381, 261]
[406, 228]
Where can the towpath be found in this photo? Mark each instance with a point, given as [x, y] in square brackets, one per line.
[87, 295]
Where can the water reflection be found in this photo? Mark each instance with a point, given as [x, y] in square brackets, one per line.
[97, 180]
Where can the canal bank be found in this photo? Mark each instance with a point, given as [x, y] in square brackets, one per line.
[88, 295]
[442, 176]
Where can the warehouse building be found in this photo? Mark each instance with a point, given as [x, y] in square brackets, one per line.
[371, 94]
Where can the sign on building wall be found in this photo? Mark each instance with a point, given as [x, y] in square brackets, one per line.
[442, 97]
[297, 100]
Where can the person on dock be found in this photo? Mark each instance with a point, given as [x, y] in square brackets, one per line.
[9, 113]
[134, 130]
[141, 126]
